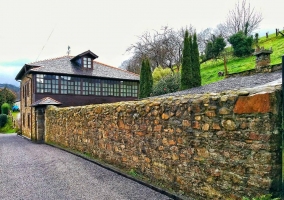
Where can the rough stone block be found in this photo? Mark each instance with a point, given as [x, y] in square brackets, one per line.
[165, 116]
[196, 125]
[259, 103]
[186, 123]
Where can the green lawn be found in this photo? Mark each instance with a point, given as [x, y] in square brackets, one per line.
[210, 69]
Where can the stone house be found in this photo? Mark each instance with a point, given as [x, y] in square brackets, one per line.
[69, 81]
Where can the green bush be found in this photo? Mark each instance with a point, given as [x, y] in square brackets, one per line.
[167, 84]
[3, 120]
[5, 108]
[241, 44]
[159, 73]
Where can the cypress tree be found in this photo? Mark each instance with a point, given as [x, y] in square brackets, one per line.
[186, 71]
[149, 82]
[146, 79]
[195, 63]
[142, 80]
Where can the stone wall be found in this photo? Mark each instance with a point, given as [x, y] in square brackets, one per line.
[210, 146]
[264, 69]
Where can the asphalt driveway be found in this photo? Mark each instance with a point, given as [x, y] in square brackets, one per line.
[38, 171]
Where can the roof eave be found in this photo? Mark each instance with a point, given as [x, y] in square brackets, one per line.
[26, 69]
[21, 73]
[38, 105]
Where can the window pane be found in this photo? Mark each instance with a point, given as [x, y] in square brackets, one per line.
[46, 83]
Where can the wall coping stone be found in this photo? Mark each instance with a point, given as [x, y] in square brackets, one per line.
[263, 69]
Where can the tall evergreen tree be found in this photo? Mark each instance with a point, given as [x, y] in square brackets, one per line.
[186, 70]
[149, 86]
[146, 79]
[196, 81]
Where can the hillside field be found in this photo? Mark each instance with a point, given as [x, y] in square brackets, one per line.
[210, 69]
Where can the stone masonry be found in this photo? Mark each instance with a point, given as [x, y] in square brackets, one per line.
[210, 146]
[262, 58]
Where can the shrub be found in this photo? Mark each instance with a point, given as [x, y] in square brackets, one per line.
[167, 84]
[159, 73]
[5, 108]
[241, 44]
[3, 120]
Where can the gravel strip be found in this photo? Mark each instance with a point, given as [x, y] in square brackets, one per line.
[37, 171]
[234, 83]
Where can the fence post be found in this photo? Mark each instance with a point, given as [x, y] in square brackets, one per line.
[282, 127]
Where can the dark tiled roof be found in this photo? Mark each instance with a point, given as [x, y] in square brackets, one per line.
[46, 101]
[63, 65]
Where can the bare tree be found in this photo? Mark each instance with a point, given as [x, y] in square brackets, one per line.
[163, 48]
[202, 38]
[221, 30]
[241, 15]
[124, 64]
[134, 64]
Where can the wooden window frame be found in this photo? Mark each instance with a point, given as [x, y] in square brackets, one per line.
[87, 86]
[52, 83]
[98, 87]
[87, 63]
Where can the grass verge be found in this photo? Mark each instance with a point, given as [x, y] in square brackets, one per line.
[8, 128]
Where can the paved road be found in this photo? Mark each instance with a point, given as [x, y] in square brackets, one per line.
[37, 171]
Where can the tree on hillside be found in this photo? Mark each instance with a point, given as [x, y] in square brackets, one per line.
[241, 15]
[221, 31]
[256, 39]
[146, 79]
[203, 37]
[7, 96]
[214, 47]
[242, 44]
[133, 64]
[208, 51]
[196, 81]
[186, 70]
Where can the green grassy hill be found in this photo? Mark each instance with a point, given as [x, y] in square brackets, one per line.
[210, 69]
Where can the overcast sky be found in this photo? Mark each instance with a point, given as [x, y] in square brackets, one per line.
[33, 30]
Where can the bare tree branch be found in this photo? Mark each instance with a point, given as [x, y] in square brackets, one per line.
[239, 16]
[163, 48]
